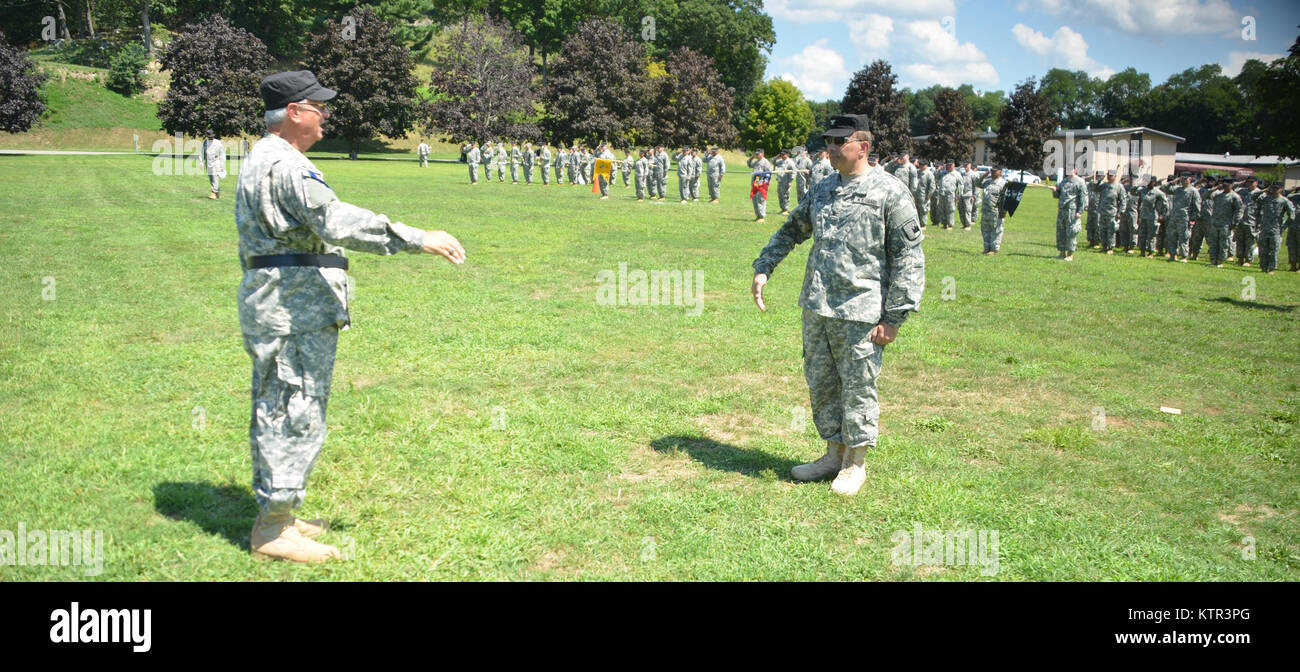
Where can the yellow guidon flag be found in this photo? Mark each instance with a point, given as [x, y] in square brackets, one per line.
[604, 168]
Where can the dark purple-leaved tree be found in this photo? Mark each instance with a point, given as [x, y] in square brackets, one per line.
[598, 90]
[373, 74]
[216, 70]
[691, 106]
[1024, 124]
[20, 85]
[872, 92]
[481, 86]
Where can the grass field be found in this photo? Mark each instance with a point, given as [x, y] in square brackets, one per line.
[494, 421]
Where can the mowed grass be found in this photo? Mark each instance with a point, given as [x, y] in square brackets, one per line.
[493, 421]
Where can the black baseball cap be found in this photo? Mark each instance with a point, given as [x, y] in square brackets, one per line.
[283, 88]
[844, 125]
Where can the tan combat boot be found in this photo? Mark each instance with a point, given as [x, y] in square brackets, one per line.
[311, 528]
[275, 537]
[212, 195]
[826, 465]
[854, 474]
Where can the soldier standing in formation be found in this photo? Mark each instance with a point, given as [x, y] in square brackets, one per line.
[924, 189]
[293, 301]
[717, 168]
[1094, 185]
[1275, 214]
[604, 181]
[1226, 214]
[821, 169]
[214, 162]
[627, 167]
[684, 166]
[1072, 194]
[561, 164]
[784, 167]
[759, 164]
[1184, 207]
[1110, 202]
[803, 167]
[949, 190]
[642, 175]
[422, 151]
[865, 274]
[1151, 214]
[472, 158]
[1128, 223]
[697, 166]
[545, 159]
[991, 220]
[1248, 231]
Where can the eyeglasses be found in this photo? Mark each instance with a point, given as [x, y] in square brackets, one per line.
[319, 108]
[841, 141]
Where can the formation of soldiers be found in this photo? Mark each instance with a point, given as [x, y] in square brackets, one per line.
[1177, 216]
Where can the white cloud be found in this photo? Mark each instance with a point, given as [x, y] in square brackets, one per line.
[842, 11]
[870, 34]
[1143, 17]
[940, 58]
[1065, 49]
[815, 68]
[1237, 59]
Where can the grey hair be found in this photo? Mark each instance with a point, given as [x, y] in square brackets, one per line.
[276, 117]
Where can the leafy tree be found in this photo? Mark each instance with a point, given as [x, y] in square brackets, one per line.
[373, 74]
[545, 23]
[871, 92]
[1203, 106]
[822, 113]
[598, 89]
[778, 118]
[216, 70]
[692, 107]
[952, 135]
[481, 86]
[20, 86]
[1120, 99]
[920, 107]
[1073, 97]
[1024, 124]
[984, 107]
[126, 72]
[1279, 95]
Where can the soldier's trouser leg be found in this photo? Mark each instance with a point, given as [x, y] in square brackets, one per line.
[760, 206]
[290, 390]
[801, 190]
[1176, 240]
[991, 229]
[626, 179]
[783, 196]
[604, 185]
[1106, 232]
[546, 175]
[1090, 224]
[1067, 232]
[1293, 245]
[962, 214]
[922, 209]
[473, 173]
[684, 187]
[715, 187]
[841, 364]
[1245, 244]
[528, 175]
[640, 188]
[514, 172]
[1268, 244]
[1160, 237]
[559, 176]
[215, 183]
[1147, 236]
[1197, 237]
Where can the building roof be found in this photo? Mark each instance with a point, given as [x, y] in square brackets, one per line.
[1235, 159]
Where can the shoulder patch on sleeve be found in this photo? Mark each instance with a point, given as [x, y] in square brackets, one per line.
[318, 191]
[912, 230]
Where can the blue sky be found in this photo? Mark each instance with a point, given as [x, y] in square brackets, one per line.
[995, 44]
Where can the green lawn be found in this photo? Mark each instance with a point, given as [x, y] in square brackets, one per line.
[493, 421]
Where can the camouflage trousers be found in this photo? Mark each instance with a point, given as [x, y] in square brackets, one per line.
[215, 182]
[841, 364]
[546, 174]
[528, 174]
[783, 194]
[991, 229]
[695, 188]
[760, 205]
[640, 186]
[501, 173]
[684, 187]
[473, 173]
[291, 388]
[945, 211]
[1128, 231]
[964, 213]
[801, 189]
[1198, 234]
[603, 183]
[1105, 230]
[626, 177]
[1148, 229]
[1293, 245]
[1176, 238]
[1092, 225]
[1067, 231]
[1217, 237]
[1268, 248]
[715, 187]
[1245, 243]
[922, 208]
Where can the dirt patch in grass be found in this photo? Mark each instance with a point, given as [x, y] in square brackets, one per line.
[730, 427]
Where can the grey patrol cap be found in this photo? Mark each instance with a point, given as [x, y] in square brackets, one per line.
[283, 88]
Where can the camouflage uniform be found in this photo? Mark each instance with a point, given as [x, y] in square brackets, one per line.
[1274, 213]
[1110, 202]
[966, 200]
[1205, 212]
[214, 161]
[696, 167]
[820, 171]
[803, 165]
[661, 173]
[1248, 231]
[1183, 207]
[717, 168]
[684, 165]
[290, 316]
[1226, 214]
[1073, 196]
[1094, 185]
[866, 266]
[759, 200]
[949, 190]
[604, 183]
[627, 170]
[642, 176]
[1293, 236]
[1153, 209]
[783, 180]
[1128, 221]
[561, 163]
[501, 157]
[921, 197]
[990, 222]
[472, 158]
[545, 160]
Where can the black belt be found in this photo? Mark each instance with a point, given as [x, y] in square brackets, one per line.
[323, 260]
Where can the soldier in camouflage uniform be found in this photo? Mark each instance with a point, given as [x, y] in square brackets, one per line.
[628, 161]
[545, 160]
[293, 300]
[1226, 214]
[1111, 201]
[528, 162]
[472, 158]
[684, 165]
[1205, 188]
[717, 168]
[1072, 194]
[821, 169]
[501, 158]
[1274, 213]
[991, 220]
[1152, 211]
[561, 162]
[642, 175]
[1248, 230]
[966, 201]
[759, 164]
[1184, 206]
[803, 168]
[906, 173]
[865, 274]
[949, 191]
[924, 190]
[661, 172]
[784, 177]
[1128, 221]
[697, 166]
[1293, 235]
[1094, 185]
[603, 183]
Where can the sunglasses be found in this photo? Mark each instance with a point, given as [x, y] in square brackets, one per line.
[840, 141]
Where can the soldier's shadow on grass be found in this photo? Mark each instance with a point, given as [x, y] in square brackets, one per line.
[1252, 304]
[726, 457]
[224, 510]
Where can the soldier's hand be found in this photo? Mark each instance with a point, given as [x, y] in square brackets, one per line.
[884, 334]
[441, 242]
[760, 279]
